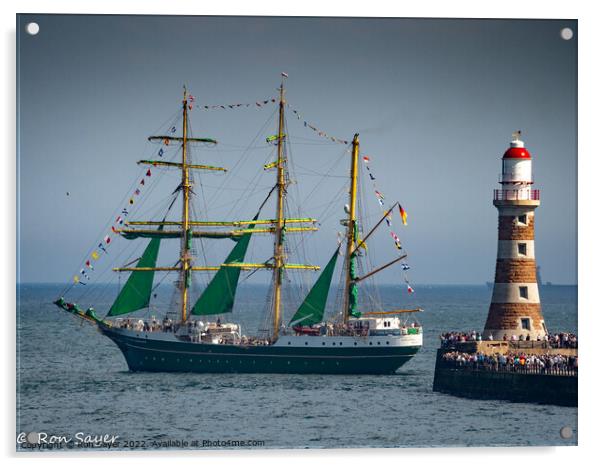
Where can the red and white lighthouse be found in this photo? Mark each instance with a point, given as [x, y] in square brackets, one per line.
[515, 308]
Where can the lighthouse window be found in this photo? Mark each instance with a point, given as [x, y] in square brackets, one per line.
[522, 249]
[522, 219]
[525, 324]
[523, 292]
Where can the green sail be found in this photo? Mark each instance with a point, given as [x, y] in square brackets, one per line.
[311, 310]
[219, 295]
[138, 288]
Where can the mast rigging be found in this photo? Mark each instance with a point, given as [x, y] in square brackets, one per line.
[279, 228]
[184, 248]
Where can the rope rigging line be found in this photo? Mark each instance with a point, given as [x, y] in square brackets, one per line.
[371, 293]
[295, 244]
[101, 289]
[233, 170]
[331, 205]
[381, 200]
[93, 253]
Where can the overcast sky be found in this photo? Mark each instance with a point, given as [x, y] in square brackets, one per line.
[435, 103]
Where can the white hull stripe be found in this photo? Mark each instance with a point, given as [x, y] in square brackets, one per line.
[238, 355]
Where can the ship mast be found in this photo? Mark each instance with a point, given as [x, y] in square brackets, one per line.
[279, 227]
[351, 229]
[184, 248]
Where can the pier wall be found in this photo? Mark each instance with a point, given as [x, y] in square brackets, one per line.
[512, 386]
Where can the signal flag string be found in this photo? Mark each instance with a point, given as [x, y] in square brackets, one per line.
[257, 104]
[315, 129]
[108, 239]
[404, 220]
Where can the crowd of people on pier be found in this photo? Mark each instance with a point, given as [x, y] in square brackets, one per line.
[543, 363]
[556, 340]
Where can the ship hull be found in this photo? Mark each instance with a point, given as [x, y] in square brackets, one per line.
[170, 355]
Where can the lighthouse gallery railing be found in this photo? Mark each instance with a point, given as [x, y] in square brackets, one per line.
[516, 195]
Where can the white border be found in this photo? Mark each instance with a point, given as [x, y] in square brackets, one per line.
[589, 251]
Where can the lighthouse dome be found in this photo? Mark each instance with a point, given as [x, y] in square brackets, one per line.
[517, 149]
[517, 153]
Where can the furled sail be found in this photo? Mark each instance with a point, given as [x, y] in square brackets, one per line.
[135, 234]
[137, 290]
[353, 292]
[219, 295]
[311, 310]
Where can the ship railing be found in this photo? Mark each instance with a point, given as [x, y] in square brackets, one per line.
[146, 325]
[566, 371]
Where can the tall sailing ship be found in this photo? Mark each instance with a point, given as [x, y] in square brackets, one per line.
[194, 336]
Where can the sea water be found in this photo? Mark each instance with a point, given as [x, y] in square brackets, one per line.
[73, 383]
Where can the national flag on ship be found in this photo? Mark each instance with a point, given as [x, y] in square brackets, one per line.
[403, 214]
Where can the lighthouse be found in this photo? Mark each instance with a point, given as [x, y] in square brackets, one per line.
[515, 308]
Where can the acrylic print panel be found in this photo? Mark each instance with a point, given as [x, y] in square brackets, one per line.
[257, 233]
